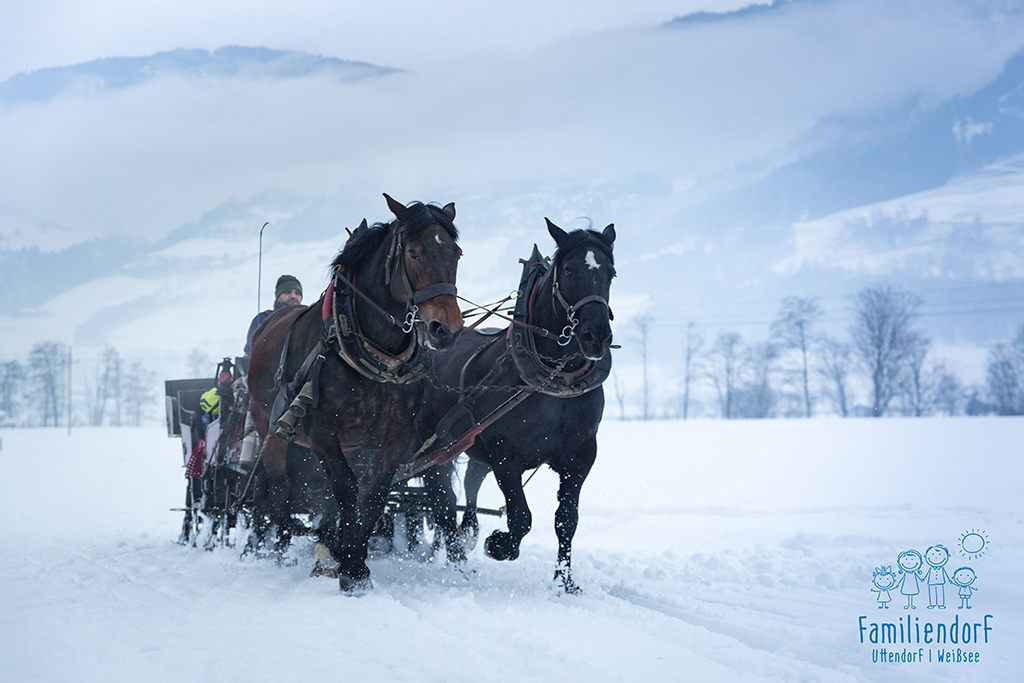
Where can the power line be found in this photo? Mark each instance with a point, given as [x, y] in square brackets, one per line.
[726, 321]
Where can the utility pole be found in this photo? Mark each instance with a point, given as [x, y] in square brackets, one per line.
[259, 275]
[69, 389]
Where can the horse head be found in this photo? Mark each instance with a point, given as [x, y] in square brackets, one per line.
[583, 269]
[423, 268]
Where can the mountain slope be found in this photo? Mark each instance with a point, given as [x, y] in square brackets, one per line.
[116, 73]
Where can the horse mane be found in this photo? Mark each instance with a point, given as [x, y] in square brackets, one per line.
[580, 238]
[362, 244]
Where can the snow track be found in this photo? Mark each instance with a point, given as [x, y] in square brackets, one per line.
[677, 588]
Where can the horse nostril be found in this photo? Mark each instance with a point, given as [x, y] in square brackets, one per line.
[437, 329]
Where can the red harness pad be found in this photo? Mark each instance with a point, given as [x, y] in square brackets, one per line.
[328, 301]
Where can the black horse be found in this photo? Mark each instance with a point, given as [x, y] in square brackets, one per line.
[562, 356]
[349, 370]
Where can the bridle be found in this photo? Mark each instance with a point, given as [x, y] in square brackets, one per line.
[569, 331]
[414, 297]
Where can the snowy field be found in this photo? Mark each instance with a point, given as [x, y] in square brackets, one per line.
[708, 551]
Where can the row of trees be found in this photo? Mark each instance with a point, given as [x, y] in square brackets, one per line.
[798, 368]
[1005, 376]
[41, 383]
[36, 392]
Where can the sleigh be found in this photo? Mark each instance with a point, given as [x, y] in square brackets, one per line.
[222, 486]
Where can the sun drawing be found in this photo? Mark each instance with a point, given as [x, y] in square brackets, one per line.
[973, 543]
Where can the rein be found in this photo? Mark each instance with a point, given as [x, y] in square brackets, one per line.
[494, 311]
[529, 365]
[568, 332]
[416, 465]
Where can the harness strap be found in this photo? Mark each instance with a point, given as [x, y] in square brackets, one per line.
[430, 291]
[279, 375]
[287, 393]
[570, 309]
[446, 453]
[390, 318]
[341, 329]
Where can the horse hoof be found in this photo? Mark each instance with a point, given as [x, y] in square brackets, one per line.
[324, 563]
[456, 556]
[353, 576]
[320, 570]
[499, 546]
[469, 536]
[567, 584]
[347, 584]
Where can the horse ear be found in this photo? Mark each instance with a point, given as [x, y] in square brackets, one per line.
[362, 225]
[397, 207]
[609, 234]
[556, 232]
[449, 210]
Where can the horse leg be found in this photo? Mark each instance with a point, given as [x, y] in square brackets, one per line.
[341, 532]
[274, 504]
[360, 515]
[571, 477]
[504, 545]
[438, 483]
[476, 472]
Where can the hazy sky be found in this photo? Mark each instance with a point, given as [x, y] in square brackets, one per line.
[401, 33]
[514, 96]
[515, 111]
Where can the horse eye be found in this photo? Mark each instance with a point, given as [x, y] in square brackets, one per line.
[414, 255]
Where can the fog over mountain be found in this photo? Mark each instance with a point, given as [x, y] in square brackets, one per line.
[117, 73]
[744, 154]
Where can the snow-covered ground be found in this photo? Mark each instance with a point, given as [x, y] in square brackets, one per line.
[708, 551]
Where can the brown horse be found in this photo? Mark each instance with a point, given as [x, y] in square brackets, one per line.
[360, 353]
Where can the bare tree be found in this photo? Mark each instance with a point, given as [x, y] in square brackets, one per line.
[882, 339]
[643, 324]
[694, 342]
[137, 389]
[620, 396]
[108, 388]
[198, 364]
[1005, 376]
[47, 362]
[792, 328]
[757, 398]
[834, 367]
[915, 382]
[948, 393]
[114, 378]
[723, 370]
[12, 376]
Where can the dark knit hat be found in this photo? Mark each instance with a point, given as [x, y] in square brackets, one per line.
[286, 282]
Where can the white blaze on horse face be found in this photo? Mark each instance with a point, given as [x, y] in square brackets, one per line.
[437, 238]
[591, 262]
